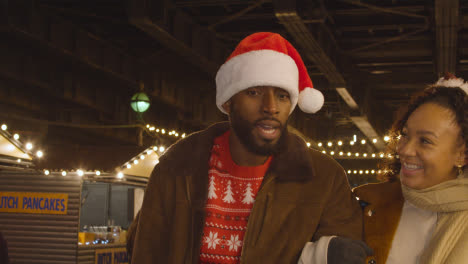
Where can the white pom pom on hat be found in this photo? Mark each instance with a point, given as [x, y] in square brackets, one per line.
[267, 59]
[450, 80]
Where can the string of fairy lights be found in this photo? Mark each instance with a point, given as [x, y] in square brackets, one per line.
[329, 148]
[28, 146]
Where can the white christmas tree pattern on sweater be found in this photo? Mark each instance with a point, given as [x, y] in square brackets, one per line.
[212, 189]
[248, 195]
[228, 198]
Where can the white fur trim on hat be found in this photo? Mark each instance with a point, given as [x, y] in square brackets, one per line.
[257, 68]
[453, 82]
[310, 100]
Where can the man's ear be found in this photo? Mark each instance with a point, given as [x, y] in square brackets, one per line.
[227, 106]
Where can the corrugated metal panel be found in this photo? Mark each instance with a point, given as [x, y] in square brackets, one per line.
[41, 238]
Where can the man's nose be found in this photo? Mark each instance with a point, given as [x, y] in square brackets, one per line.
[270, 105]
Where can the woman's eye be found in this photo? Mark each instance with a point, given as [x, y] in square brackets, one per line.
[425, 141]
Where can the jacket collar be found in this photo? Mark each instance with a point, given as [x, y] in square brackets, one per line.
[293, 163]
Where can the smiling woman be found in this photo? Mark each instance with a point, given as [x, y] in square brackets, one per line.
[420, 214]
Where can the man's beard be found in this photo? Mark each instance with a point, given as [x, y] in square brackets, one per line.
[243, 130]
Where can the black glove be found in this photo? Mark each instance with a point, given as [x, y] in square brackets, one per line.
[342, 250]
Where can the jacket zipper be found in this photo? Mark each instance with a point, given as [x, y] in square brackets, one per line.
[249, 223]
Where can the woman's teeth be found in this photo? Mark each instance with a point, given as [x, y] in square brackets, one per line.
[412, 166]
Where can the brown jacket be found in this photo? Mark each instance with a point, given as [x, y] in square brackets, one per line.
[381, 216]
[304, 195]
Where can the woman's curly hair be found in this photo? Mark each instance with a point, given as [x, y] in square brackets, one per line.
[451, 98]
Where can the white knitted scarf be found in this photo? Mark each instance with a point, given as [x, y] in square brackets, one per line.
[449, 242]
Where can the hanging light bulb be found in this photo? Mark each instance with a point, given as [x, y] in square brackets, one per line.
[98, 173]
[308, 144]
[39, 154]
[16, 136]
[161, 149]
[340, 143]
[140, 102]
[329, 144]
[319, 144]
[363, 141]
[351, 143]
[80, 173]
[129, 166]
[386, 138]
[120, 175]
[29, 146]
[64, 173]
[135, 161]
[46, 172]
[4, 127]
[374, 140]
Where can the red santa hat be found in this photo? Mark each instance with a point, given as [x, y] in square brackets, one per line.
[267, 59]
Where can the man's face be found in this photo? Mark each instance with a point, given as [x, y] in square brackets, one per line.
[259, 117]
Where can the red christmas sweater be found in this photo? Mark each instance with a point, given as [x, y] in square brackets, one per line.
[231, 194]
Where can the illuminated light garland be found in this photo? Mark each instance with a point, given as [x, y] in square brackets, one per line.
[174, 133]
[363, 171]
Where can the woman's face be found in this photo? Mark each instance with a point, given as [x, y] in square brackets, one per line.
[430, 147]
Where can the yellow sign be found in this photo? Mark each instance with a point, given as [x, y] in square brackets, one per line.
[33, 203]
[111, 256]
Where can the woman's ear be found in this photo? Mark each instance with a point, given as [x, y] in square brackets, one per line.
[463, 157]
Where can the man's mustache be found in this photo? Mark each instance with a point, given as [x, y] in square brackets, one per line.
[268, 119]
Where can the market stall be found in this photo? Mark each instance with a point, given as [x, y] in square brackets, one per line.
[67, 216]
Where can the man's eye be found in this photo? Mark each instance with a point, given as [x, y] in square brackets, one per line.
[284, 96]
[252, 92]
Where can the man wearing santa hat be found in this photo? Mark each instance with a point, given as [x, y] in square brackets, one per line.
[247, 190]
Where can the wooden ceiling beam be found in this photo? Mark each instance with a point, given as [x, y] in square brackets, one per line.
[325, 59]
[366, 11]
[447, 15]
[201, 3]
[179, 33]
